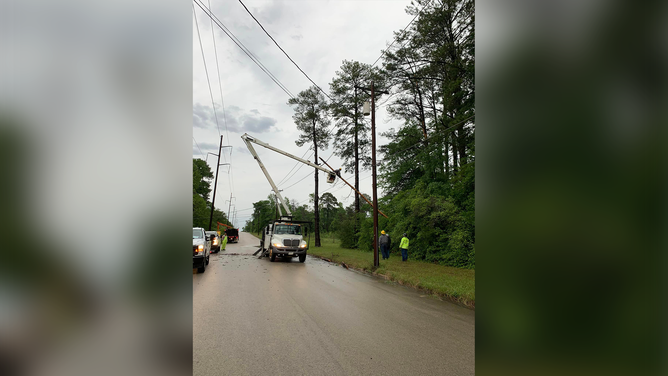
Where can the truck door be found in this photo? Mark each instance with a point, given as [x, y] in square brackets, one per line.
[266, 237]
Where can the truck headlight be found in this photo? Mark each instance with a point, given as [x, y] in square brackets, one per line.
[303, 245]
[278, 245]
[200, 248]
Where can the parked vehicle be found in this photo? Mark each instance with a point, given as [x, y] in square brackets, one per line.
[201, 249]
[232, 235]
[215, 241]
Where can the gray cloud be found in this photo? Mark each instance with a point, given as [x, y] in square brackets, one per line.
[203, 116]
[257, 124]
[242, 150]
[207, 146]
[236, 119]
[297, 37]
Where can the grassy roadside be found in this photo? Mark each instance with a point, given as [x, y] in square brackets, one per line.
[451, 283]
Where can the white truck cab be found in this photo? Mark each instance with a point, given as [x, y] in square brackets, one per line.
[285, 238]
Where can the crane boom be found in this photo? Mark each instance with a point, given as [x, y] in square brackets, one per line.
[247, 139]
[331, 176]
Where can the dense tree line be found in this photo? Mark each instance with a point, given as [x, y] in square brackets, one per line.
[427, 170]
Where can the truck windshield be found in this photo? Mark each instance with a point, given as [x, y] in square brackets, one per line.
[287, 229]
[197, 234]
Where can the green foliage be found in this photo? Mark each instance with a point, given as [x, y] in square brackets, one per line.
[311, 117]
[439, 230]
[329, 209]
[264, 211]
[345, 228]
[202, 176]
[201, 190]
[428, 169]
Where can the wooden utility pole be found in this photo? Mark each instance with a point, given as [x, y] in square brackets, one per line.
[213, 200]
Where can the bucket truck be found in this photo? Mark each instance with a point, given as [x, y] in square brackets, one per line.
[283, 237]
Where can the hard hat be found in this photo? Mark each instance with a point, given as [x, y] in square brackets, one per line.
[383, 232]
[404, 234]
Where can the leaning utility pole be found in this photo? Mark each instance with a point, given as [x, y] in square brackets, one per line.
[229, 213]
[215, 184]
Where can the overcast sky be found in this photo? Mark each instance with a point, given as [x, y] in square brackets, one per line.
[318, 36]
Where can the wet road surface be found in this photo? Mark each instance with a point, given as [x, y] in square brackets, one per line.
[255, 317]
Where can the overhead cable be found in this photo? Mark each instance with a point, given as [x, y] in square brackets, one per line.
[239, 44]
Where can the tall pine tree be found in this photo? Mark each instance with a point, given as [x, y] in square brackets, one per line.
[311, 118]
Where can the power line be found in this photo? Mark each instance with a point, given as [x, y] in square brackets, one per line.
[293, 62]
[211, 90]
[296, 171]
[215, 113]
[293, 167]
[245, 49]
[220, 83]
[200, 150]
[298, 181]
[282, 50]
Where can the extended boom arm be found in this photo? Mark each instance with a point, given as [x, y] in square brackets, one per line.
[248, 139]
[331, 176]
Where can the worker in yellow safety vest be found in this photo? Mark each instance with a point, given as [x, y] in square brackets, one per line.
[404, 248]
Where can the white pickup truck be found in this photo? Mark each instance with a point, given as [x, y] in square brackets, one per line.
[201, 249]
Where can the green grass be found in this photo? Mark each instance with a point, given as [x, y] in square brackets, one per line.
[452, 283]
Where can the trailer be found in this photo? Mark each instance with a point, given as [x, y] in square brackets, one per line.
[232, 235]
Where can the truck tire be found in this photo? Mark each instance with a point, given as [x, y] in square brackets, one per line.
[207, 260]
[302, 258]
[202, 268]
[272, 256]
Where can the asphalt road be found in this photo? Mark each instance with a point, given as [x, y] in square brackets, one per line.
[255, 317]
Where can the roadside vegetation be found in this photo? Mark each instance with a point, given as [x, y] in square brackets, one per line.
[455, 284]
[202, 178]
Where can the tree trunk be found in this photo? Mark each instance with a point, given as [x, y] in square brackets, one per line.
[461, 144]
[454, 155]
[315, 196]
[422, 116]
[357, 174]
[446, 165]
